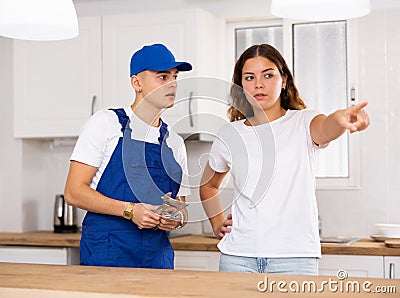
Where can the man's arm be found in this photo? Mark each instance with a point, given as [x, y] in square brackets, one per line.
[79, 193]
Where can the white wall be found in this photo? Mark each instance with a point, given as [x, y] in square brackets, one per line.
[378, 200]
[45, 168]
[33, 171]
[10, 149]
[231, 9]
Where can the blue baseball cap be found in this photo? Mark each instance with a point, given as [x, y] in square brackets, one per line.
[156, 57]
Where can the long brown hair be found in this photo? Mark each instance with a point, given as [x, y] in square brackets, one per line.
[290, 99]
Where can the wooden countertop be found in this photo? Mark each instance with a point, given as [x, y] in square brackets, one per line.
[192, 242]
[41, 238]
[366, 247]
[50, 281]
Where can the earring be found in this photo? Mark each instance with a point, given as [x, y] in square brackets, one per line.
[140, 90]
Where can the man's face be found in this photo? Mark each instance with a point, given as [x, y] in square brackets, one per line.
[159, 87]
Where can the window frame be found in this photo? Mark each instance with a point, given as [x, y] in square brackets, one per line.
[353, 180]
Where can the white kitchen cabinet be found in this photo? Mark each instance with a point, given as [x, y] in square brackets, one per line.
[197, 260]
[355, 266]
[40, 255]
[392, 267]
[193, 35]
[57, 84]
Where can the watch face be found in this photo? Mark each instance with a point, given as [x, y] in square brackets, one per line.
[128, 214]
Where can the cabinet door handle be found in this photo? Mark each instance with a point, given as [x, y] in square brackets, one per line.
[391, 270]
[353, 96]
[93, 104]
[190, 109]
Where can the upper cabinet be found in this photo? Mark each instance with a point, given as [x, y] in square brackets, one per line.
[57, 85]
[192, 35]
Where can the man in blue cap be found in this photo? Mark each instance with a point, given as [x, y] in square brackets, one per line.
[123, 162]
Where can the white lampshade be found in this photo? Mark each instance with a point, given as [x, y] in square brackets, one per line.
[320, 10]
[38, 19]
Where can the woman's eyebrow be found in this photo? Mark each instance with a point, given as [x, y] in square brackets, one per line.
[267, 69]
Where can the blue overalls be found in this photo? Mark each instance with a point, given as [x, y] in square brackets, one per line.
[139, 172]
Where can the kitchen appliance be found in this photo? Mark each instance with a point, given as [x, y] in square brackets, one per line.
[64, 216]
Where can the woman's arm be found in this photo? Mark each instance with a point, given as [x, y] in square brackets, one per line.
[210, 183]
[328, 128]
[78, 193]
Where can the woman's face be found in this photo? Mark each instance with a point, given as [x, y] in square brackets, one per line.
[262, 83]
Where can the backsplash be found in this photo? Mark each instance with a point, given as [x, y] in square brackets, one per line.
[46, 165]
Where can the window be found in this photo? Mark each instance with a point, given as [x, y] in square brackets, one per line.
[255, 35]
[318, 56]
[320, 70]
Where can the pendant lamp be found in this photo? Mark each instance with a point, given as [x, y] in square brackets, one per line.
[38, 19]
[320, 10]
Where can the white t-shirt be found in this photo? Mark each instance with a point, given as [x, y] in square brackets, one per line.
[99, 137]
[274, 208]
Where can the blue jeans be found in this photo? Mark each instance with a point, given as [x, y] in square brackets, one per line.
[306, 266]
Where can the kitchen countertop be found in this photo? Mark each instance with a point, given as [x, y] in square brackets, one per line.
[192, 242]
[49, 281]
[41, 238]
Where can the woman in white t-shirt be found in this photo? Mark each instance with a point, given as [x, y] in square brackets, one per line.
[270, 149]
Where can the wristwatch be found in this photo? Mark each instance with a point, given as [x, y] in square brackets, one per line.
[128, 212]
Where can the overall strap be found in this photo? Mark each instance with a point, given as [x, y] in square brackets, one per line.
[122, 118]
[163, 132]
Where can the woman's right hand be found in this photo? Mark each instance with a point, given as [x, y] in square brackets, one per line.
[223, 229]
[143, 217]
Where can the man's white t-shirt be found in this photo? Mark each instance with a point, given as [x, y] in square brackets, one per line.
[99, 137]
[274, 210]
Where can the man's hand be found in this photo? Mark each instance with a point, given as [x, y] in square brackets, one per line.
[144, 218]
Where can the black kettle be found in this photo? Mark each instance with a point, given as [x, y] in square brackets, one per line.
[64, 216]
